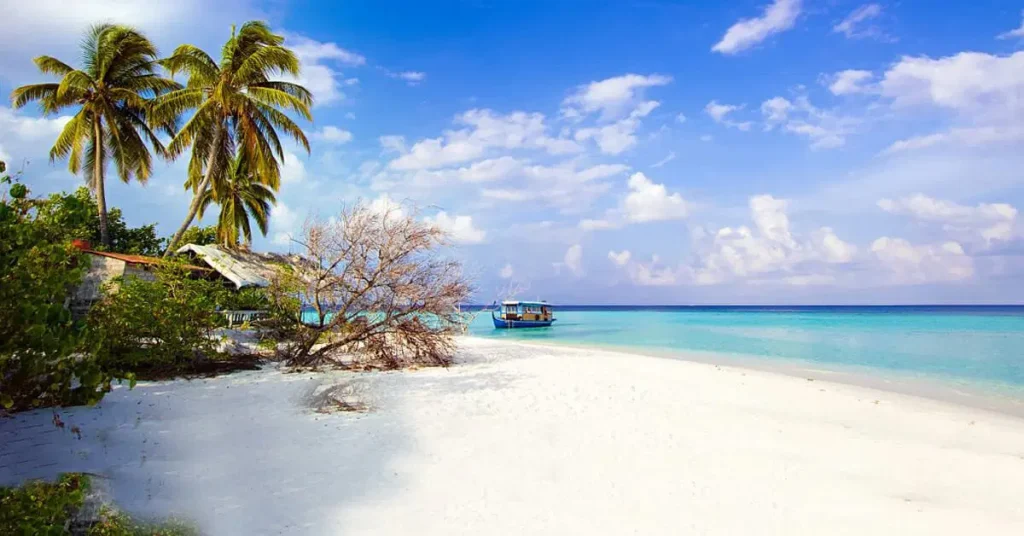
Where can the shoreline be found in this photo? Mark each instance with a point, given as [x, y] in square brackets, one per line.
[1006, 400]
[528, 439]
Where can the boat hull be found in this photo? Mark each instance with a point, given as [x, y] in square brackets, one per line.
[513, 324]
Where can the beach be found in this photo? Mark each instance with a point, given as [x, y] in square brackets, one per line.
[529, 439]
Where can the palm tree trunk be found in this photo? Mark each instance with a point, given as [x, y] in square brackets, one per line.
[193, 208]
[98, 183]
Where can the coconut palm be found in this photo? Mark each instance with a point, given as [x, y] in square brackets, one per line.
[237, 108]
[243, 196]
[112, 93]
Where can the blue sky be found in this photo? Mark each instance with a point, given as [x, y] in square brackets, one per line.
[757, 151]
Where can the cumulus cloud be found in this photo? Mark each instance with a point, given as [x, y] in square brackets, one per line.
[823, 128]
[849, 82]
[506, 271]
[1017, 33]
[648, 201]
[573, 260]
[909, 264]
[719, 113]
[484, 130]
[320, 62]
[613, 97]
[292, 169]
[989, 221]
[769, 249]
[778, 17]
[620, 258]
[333, 135]
[283, 224]
[981, 92]
[619, 136]
[459, 228]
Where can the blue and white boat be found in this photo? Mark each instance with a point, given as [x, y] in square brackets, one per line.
[523, 314]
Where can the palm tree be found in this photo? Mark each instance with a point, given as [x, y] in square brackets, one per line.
[244, 196]
[237, 110]
[113, 93]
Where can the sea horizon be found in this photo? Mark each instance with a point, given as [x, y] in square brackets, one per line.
[949, 349]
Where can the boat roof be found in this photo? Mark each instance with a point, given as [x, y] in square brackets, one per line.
[525, 302]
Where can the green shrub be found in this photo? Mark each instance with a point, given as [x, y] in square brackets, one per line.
[39, 507]
[163, 326]
[39, 365]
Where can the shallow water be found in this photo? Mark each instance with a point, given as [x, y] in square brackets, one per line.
[980, 347]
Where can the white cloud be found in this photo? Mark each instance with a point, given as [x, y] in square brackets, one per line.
[780, 16]
[620, 258]
[14, 126]
[319, 74]
[619, 136]
[981, 91]
[292, 169]
[989, 221]
[573, 259]
[769, 249]
[409, 77]
[648, 201]
[333, 135]
[1017, 33]
[565, 185]
[613, 97]
[459, 228]
[849, 82]
[386, 207]
[706, 138]
[670, 157]
[680, 118]
[910, 264]
[719, 113]
[854, 27]
[824, 129]
[283, 224]
[485, 130]
[393, 144]
[966, 82]
[959, 137]
[506, 272]
[649, 275]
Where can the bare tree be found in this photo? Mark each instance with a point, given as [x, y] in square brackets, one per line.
[373, 290]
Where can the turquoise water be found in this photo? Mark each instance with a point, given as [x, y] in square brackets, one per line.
[964, 344]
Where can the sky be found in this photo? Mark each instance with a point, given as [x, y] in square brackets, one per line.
[647, 152]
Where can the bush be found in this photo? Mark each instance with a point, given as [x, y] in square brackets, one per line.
[163, 326]
[76, 216]
[39, 268]
[380, 293]
[38, 507]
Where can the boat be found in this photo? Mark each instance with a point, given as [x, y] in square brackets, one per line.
[523, 314]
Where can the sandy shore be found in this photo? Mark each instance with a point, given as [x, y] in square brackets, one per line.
[532, 440]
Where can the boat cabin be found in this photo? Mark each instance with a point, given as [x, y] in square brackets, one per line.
[526, 310]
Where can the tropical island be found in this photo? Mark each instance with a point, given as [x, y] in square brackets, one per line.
[344, 382]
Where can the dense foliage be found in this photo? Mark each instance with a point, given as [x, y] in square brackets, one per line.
[164, 325]
[38, 337]
[38, 507]
[77, 216]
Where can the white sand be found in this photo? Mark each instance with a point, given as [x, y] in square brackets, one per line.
[523, 440]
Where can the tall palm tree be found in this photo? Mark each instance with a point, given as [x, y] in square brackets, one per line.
[113, 92]
[238, 109]
[243, 196]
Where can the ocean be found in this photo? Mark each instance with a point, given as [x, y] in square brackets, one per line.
[972, 347]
